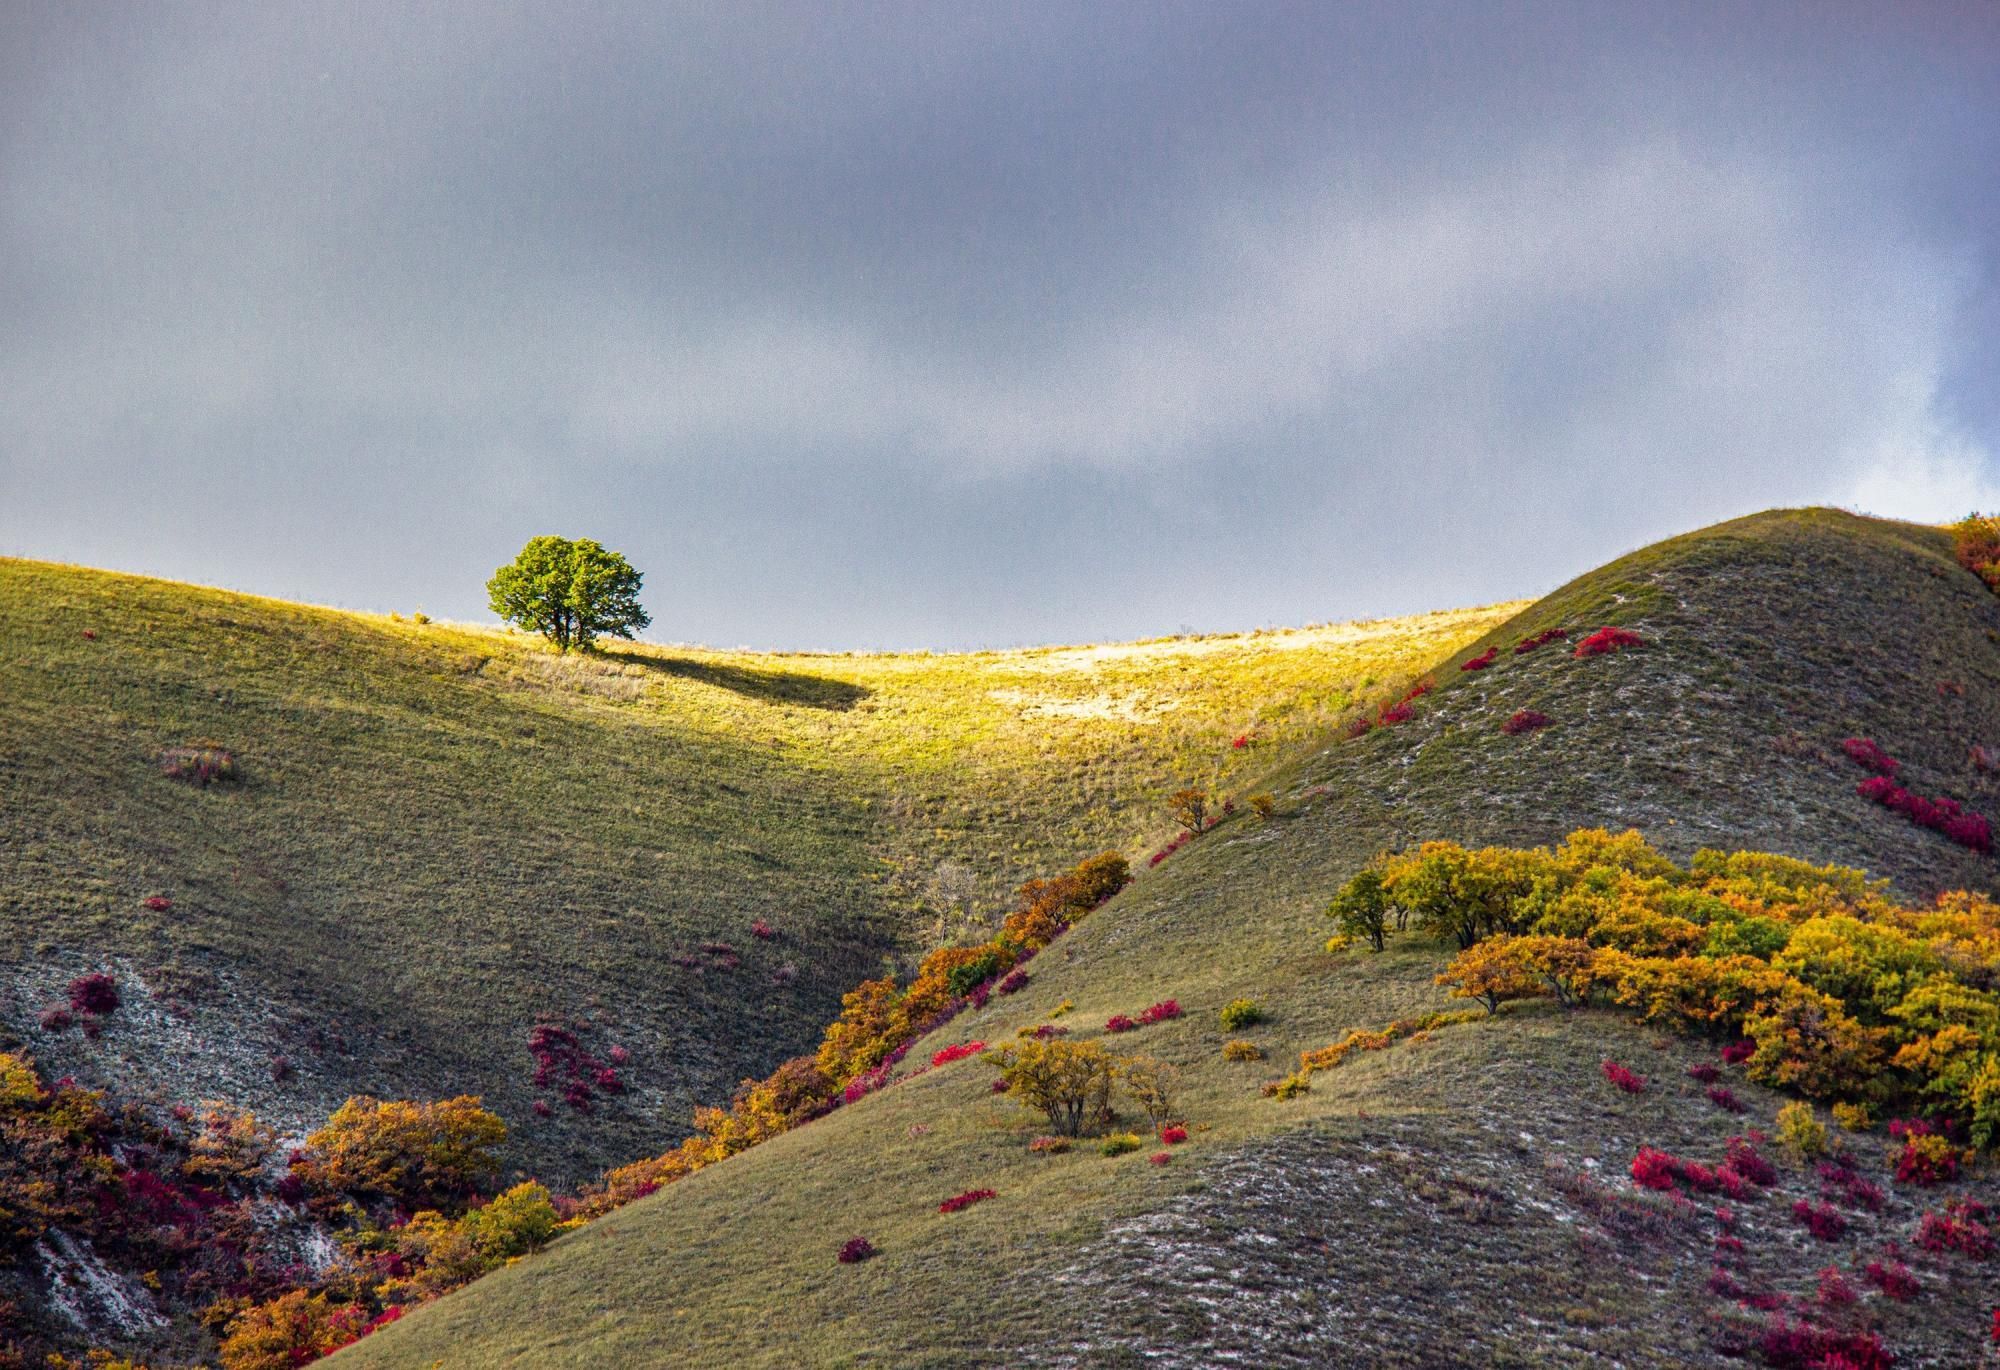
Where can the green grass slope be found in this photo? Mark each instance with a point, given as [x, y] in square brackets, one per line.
[1414, 1208]
[445, 833]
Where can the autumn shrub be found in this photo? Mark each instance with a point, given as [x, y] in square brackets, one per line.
[1160, 1012]
[418, 1155]
[1893, 1278]
[1742, 1157]
[55, 1018]
[1480, 662]
[1539, 640]
[1048, 1146]
[1606, 640]
[959, 1202]
[855, 1250]
[201, 764]
[1821, 1219]
[1120, 1022]
[1725, 1098]
[1069, 1082]
[1704, 1072]
[1623, 1078]
[763, 931]
[1736, 1053]
[1800, 1132]
[1242, 1051]
[1839, 1180]
[1834, 1290]
[1524, 721]
[1926, 1159]
[1161, 1158]
[1154, 1086]
[957, 1052]
[1788, 1345]
[1943, 816]
[1118, 1143]
[1012, 982]
[289, 1331]
[158, 903]
[1241, 1013]
[1173, 1135]
[1264, 805]
[96, 994]
[1868, 754]
[1963, 1227]
[1976, 540]
[1853, 1117]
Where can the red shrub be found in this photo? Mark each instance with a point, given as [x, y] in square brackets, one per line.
[1000, 1085]
[1728, 1246]
[763, 931]
[1118, 1022]
[1524, 721]
[1656, 1169]
[1864, 752]
[1821, 1219]
[1541, 639]
[1161, 1157]
[1944, 816]
[855, 1250]
[1893, 1278]
[90, 634]
[96, 993]
[1240, 741]
[1724, 1098]
[1801, 1346]
[1160, 1012]
[1834, 1290]
[1722, 1284]
[1360, 727]
[1838, 1180]
[1010, 982]
[1048, 1030]
[1961, 1228]
[965, 1200]
[1926, 1162]
[1480, 662]
[957, 1053]
[1173, 1134]
[1704, 1072]
[542, 1109]
[159, 903]
[1739, 1051]
[1623, 1078]
[1746, 1160]
[56, 1018]
[1396, 713]
[1608, 639]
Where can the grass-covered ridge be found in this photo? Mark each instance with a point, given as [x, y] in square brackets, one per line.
[441, 834]
[1766, 643]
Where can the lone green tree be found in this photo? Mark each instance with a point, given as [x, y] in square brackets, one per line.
[569, 592]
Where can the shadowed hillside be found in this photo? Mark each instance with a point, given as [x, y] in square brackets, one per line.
[1440, 1202]
[442, 836]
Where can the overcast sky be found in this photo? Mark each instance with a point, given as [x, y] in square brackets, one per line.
[949, 325]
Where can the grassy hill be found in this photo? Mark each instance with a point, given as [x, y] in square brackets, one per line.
[445, 834]
[1421, 1206]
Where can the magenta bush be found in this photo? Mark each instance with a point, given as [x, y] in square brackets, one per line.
[763, 931]
[1524, 721]
[1012, 981]
[1893, 1278]
[1623, 1078]
[957, 1053]
[1864, 752]
[1480, 662]
[1539, 640]
[1739, 1051]
[1823, 1220]
[96, 993]
[1608, 639]
[966, 1200]
[1725, 1098]
[855, 1250]
[1962, 1227]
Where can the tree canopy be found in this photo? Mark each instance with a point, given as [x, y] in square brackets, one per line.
[569, 591]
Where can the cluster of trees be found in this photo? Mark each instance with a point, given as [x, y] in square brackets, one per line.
[1978, 542]
[202, 1203]
[1843, 993]
[877, 1023]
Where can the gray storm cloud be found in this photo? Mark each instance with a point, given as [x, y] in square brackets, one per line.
[948, 326]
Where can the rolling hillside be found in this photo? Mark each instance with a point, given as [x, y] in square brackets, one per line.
[1421, 1206]
[443, 836]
